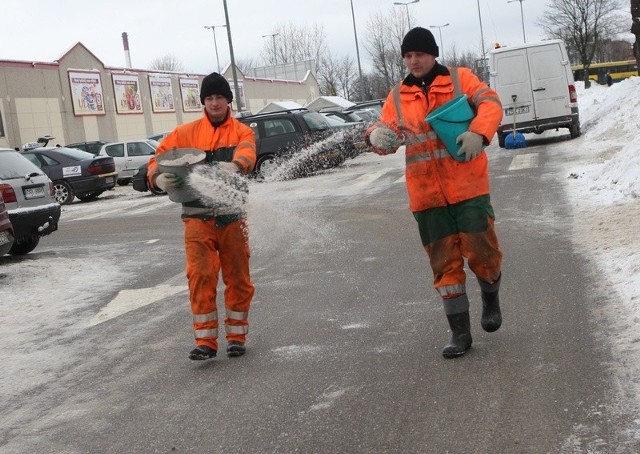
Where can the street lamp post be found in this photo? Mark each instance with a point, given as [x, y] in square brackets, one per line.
[275, 53]
[484, 54]
[524, 37]
[355, 34]
[215, 43]
[440, 27]
[233, 61]
[406, 5]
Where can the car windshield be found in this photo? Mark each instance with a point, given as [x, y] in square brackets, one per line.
[14, 165]
[316, 121]
[74, 153]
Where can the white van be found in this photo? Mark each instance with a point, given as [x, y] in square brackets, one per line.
[536, 87]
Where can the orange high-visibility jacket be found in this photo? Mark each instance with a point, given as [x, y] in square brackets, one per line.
[201, 134]
[434, 178]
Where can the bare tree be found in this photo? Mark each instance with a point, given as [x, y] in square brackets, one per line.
[635, 29]
[291, 43]
[383, 39]
[583, 25]
[168, 62]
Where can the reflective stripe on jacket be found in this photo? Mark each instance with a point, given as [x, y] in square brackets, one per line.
[201, 134]
[433, 177]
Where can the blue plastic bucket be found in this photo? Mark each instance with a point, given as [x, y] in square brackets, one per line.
[449, 121]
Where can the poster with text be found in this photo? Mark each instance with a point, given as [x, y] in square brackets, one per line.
[190, 91]
[86, 93]
[126, 88]
[161, 93]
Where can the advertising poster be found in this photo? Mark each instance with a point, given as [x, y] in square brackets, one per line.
[86, 93]
[126, 88]
[161, 93]
[190, 91]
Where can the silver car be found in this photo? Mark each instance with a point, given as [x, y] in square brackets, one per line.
[29, 199]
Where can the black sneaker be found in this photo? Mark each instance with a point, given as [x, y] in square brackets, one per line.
[236, 348]
[202, 352]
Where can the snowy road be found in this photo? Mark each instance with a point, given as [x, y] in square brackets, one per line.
[344, 351]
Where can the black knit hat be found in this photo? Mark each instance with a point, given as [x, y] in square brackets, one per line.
[215, 84]
[419, 40]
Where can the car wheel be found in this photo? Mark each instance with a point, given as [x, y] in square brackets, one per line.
[266, 165]
[156, 191]
[24, 246]
[89, 195]
[501, 139]
[124, 181]
[63, 192]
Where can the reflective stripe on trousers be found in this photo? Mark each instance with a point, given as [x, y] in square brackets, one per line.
[210, 250]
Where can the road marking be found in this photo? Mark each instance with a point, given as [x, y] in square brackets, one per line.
[130, 300]
[524, 161]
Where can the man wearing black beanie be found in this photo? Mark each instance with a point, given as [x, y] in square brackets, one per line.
[216, 237]
[448, 186]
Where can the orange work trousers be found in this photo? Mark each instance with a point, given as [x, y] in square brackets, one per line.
[210, 249]
[455, 232]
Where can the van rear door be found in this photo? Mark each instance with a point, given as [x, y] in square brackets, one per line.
[510, 77]
[549, 81]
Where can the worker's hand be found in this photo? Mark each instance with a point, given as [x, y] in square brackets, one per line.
[229, 167]
[169, 182]
[471, 145]
[383, 140]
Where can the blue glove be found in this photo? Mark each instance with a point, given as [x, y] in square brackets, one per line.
[169, 182]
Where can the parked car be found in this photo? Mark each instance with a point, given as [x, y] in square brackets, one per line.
[7, 237]
[159, 137]
[128, 156]
[92, 147]
[139, 181]
[345, 117]
[28, 195]
[280, 135]
[75, 173]
[375, 104]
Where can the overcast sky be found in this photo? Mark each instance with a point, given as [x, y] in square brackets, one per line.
[43, 30]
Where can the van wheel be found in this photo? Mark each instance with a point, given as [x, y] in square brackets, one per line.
[574, 130]
[24, 246]
[501, 139]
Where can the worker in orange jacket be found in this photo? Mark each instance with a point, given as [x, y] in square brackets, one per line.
[449, 197]
[216, 238]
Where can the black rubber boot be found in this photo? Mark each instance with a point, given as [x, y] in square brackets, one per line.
[460, 335]
[202, 352]
[235, 349]
[491, 315]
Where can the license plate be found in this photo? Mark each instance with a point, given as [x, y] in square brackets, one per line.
[34, 193]
[4, 238]
[519, 110]
[108, 180]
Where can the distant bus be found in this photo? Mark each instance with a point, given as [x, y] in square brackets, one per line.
[598, 71]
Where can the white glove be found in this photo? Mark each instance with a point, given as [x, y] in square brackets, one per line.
[472, 145]
[169, 182]
[384, 138]
[229, 167]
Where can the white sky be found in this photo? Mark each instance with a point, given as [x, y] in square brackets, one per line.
[45, 29]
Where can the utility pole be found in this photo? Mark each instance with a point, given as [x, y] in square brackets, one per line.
[233, 61]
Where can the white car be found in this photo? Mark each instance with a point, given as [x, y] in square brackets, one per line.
[28, 196]
[128, 156]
